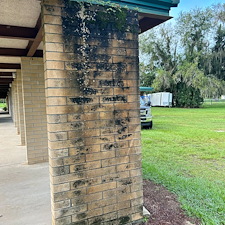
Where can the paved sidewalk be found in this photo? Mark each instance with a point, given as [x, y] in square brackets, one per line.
[24, 189]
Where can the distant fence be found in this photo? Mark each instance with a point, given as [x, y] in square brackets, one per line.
[213, 100]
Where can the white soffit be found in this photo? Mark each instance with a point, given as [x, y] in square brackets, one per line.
[13, 43]
[4, 59]
[22, 13]
[8, 70]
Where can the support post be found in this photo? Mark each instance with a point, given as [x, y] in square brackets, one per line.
[92, 90]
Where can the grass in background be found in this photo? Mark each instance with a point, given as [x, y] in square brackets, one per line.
[2, 105]
[185, 152]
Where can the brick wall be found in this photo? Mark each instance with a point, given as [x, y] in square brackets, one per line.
[10, 102]
[34, 109]
[15, 105]
[20, 106]
[12, 94]
[92, 83]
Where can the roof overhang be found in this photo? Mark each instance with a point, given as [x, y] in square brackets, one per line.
[151, 12]
[159, 7]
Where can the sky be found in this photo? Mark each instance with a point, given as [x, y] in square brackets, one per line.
[186, 5]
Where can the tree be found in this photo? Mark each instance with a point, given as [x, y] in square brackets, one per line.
[147, 75]
[187, 59]
[194, 27]
[217, 66]
[161, 47]
[163, 81]
[189, 80]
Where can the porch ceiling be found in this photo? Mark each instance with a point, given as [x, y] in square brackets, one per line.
[19, 27]
[20, 35]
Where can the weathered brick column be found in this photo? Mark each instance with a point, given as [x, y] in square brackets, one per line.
[92, 83]
[12, 94]
[34, 103]
[20, 106]
[10, 102]
[15, 105]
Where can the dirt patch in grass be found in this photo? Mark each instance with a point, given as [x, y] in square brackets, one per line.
[164, 207]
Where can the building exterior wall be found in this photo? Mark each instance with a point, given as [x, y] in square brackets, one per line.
[92, 91]
[20, 106]
[34, 103]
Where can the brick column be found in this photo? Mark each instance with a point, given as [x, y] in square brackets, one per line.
[10, 102]
[92, 89]
[12, 113]
[34, 109]
[20, 106]
[15, 105]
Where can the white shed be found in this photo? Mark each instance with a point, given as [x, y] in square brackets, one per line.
[161, 99]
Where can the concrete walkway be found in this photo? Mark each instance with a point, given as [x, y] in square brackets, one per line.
[24, 189]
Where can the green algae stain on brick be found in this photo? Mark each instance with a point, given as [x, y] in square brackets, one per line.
[124, 220]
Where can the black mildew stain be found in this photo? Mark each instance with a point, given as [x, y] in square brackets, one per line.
[97, 221]
[81, 100]
[81, 216]
[79, 183]
[79, 201]
[80, 148]
[123, 220]
[78, 66]
[80, 174]
[111, 146]
[79, 168]
[95, 107]
[89, 91]
[77, 125]
[77, 193]
[59, 136]
[63, 211]
[104, 66]
[78, 117]
[122, 122]
[117, 98]
[112, 83]
[104, 139]
[123, 129]
[120, 67]
[97, 74]
[125, 136]
[78, 140]
[116, 112]
[126, 181]
[111, 222]
[79, 223]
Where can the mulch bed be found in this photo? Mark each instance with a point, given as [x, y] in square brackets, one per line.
[164, 207]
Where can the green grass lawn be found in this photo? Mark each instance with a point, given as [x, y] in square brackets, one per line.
[185, 152]
[2, 105]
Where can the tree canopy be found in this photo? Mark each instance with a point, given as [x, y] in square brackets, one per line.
[187, 58]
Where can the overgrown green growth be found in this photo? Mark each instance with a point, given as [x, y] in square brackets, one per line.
[185, 152]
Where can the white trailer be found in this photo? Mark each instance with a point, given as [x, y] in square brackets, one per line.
[161, 99]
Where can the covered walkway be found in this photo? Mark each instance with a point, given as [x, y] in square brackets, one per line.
[24, 189]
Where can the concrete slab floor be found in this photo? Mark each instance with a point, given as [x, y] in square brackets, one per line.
[24, 189]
